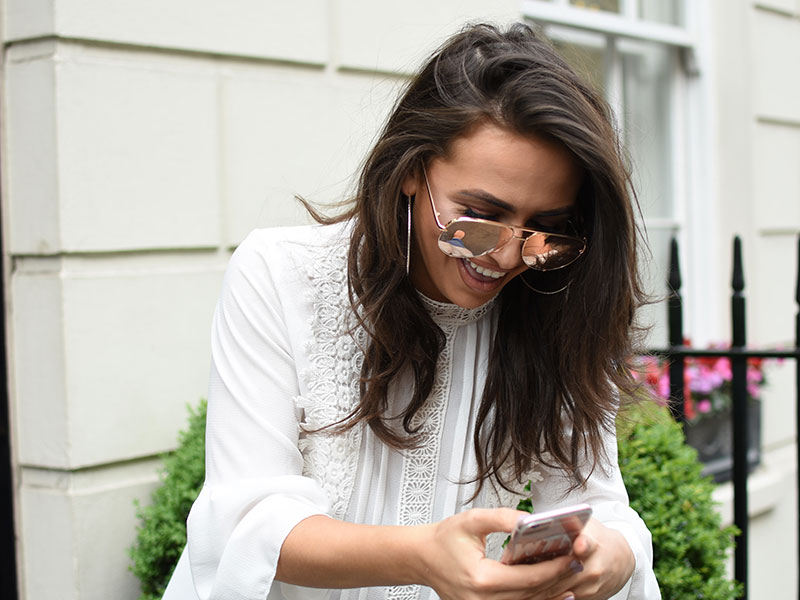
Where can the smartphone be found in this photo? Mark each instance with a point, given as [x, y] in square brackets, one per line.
[542, 536]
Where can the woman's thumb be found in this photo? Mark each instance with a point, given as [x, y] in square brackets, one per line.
[482, 521]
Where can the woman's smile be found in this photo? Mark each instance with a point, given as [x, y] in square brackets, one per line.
[483, 271]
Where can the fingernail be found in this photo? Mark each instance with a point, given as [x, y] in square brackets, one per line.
[576, 567]
[570, 598]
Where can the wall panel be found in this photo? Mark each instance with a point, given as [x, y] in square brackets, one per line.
[294, 31]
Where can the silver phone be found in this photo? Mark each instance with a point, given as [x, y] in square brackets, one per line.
[543, 536]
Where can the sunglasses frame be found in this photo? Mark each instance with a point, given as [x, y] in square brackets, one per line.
[512, 228]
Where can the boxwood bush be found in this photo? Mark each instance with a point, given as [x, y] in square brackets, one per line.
[161, 534]
[661, 472]
[665, 485]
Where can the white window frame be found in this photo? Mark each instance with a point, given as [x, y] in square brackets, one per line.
[694, 168]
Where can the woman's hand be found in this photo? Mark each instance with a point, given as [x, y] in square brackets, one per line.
[455, 566]
[606, 562]
[449, 556]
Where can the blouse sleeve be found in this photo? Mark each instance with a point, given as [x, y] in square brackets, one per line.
[605, 493]
[254, 492]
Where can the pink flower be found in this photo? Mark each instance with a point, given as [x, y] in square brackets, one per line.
[663, 386]
[722, 366]
[707, 381]
[754, 375]
[704, 406]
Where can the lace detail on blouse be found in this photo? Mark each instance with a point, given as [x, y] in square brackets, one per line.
[421, 463]
[443, 313]
[332, 379]
[448, 317]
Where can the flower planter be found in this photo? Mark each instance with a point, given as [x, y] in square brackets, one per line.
[711, 436]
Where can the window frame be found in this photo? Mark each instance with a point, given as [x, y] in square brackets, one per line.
[693, 166]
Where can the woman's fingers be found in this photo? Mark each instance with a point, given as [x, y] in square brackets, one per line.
[458, 569]
[536, 577]
[603, 563]
[583, 546]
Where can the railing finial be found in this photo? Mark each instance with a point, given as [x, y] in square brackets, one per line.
[738, 269]
[674, 309]
[674, 279]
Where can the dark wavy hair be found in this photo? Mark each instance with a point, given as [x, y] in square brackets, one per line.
[557, 362]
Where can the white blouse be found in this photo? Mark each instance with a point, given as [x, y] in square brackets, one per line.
[284, 361]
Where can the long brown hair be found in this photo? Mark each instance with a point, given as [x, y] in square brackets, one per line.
[556, 361]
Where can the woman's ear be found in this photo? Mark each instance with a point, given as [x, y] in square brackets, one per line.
[410, 184]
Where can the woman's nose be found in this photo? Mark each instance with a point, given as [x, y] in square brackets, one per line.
[509, 255]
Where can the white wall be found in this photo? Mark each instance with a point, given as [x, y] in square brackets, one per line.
[756, 109]
[142, 141]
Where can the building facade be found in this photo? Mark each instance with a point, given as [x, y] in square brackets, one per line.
[141, 141]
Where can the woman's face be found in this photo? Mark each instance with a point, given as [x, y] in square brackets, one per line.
[489, 173]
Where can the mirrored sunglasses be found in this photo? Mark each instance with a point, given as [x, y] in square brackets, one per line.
[468, 237]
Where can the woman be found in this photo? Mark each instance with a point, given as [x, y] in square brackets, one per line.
[383, 386]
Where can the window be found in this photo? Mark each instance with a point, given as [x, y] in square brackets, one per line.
[643, 55]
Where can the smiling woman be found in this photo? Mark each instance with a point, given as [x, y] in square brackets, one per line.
[492, 174]
[383, 386]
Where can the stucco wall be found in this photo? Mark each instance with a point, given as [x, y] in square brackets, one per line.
[142, 141]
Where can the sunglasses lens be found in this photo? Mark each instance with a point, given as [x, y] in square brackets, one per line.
[545, 252]
[469, 238]
[541, 251]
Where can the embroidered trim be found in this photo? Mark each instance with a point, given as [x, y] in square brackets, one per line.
[443, 313]
[418, 487]
[332, 379]
[421, 464]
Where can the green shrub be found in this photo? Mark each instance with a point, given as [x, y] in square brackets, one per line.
[162, 531]
[661, 472]
[665, 486]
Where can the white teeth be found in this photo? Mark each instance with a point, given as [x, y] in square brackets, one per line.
[485, 271]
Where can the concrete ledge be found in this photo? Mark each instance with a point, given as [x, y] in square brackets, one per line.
[294, 31]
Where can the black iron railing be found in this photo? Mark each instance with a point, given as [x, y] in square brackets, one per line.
[738, 354]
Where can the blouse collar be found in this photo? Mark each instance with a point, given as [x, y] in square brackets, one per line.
[444, 313]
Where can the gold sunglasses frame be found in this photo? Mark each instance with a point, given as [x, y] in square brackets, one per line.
[512, 228]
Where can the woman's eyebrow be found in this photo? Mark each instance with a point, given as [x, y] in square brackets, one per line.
[510, 208]
[489, 199]
[557, 212]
